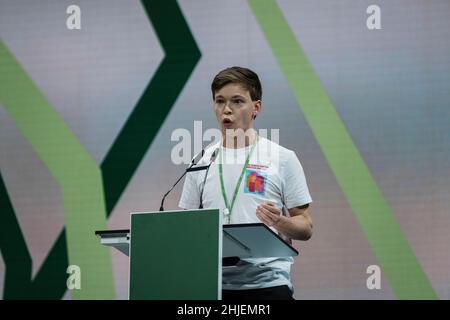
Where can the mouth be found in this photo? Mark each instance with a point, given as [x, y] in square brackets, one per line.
[227, 122]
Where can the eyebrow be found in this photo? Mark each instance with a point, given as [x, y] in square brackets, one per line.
[233, 97]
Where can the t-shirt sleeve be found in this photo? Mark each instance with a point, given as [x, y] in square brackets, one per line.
[190, 196]
[294, 188]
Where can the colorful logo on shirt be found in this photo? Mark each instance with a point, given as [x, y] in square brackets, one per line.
[255, 182]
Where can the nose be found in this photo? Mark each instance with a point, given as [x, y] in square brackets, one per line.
[227, 109]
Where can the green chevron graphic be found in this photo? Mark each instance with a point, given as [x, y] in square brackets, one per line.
[378, 223]
[71, 166]
[14, 249]
[181, 57]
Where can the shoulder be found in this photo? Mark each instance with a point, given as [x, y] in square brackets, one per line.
[275, 151]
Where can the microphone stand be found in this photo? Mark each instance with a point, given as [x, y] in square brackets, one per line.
[213, 158]
[193, 163]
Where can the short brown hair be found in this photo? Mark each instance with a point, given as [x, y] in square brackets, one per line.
[238, 75]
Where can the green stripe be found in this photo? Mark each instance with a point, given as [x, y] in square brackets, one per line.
[72, 167]
[383, 232]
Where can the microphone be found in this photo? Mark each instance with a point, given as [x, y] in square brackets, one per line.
[193, 163]
[213, 158]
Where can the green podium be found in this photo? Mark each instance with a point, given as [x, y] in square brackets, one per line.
[178, 255]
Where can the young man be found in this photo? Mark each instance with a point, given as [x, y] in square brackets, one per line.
[252, 180]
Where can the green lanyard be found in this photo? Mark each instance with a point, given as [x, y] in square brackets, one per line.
[229, 207]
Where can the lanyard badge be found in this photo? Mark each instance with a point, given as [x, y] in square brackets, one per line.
[229, 207]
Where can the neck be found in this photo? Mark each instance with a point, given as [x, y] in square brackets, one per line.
[239, 138]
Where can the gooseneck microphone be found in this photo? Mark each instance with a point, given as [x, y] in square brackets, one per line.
[213, 158]
[193, 163]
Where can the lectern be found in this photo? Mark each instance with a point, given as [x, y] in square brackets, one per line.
[179, 255]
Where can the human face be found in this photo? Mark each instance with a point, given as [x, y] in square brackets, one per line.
[234, 107]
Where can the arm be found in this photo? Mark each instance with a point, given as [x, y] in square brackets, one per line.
[190, 196]
[298, 226]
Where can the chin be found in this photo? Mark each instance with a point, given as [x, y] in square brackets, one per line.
[228, 128]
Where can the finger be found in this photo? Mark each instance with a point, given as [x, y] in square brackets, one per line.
[266, 212]
[269, 203]
[264, 219]
[273, 217]
[272, 209]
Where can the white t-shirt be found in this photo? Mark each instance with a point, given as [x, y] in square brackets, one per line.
[273, 173]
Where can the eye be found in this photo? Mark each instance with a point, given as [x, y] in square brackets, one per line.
[219, 101]
[238, 101]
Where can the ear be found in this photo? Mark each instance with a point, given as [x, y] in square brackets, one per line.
[257, 106]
